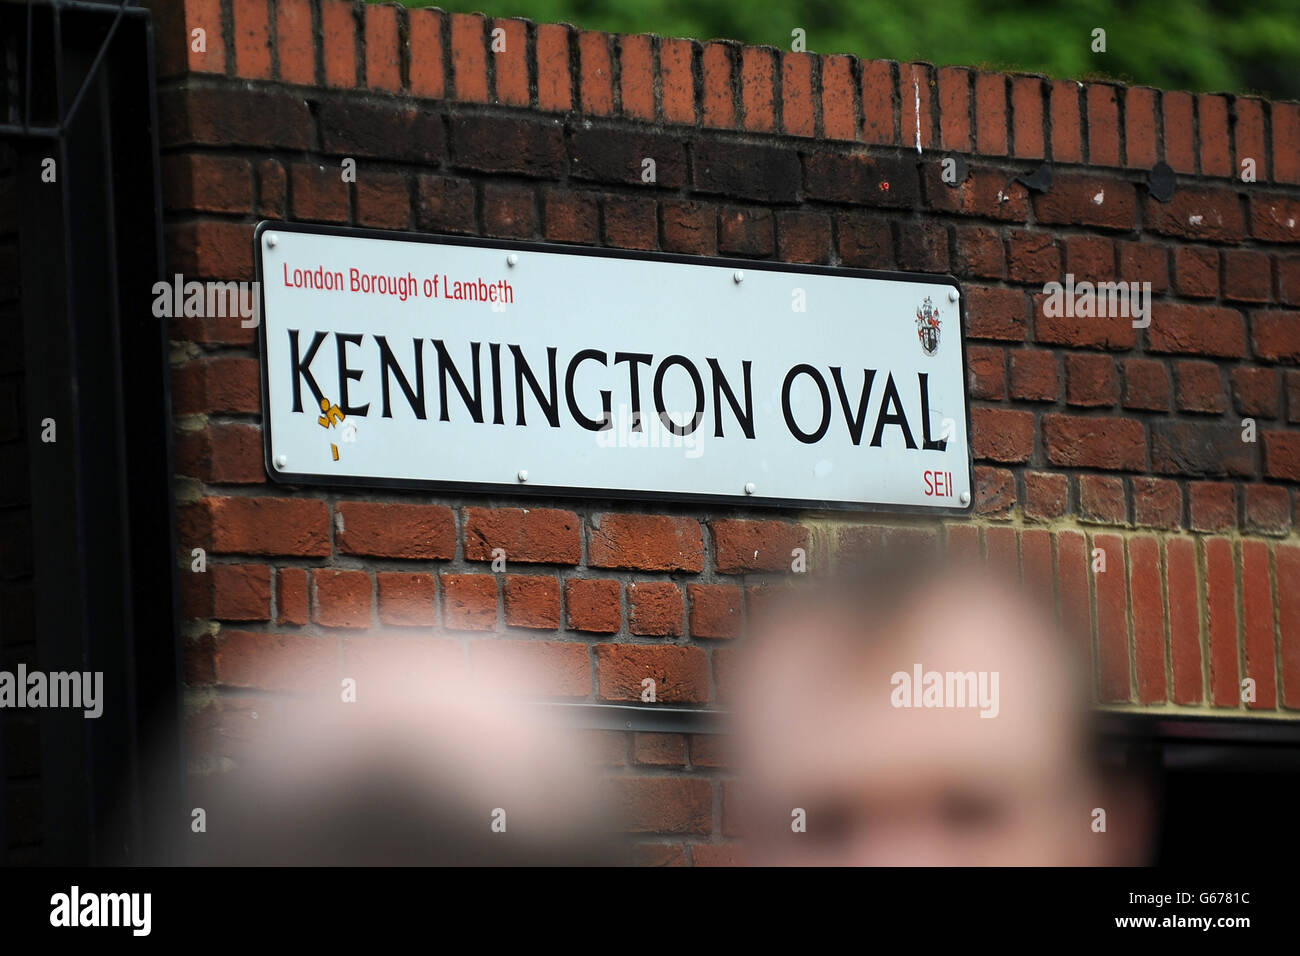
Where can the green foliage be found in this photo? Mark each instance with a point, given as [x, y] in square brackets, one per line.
[1201, 45]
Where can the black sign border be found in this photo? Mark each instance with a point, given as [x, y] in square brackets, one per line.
[529, 490]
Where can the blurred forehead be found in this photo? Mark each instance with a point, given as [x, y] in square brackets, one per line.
[818, 690]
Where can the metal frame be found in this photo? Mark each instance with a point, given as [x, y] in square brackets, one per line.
[96, 362]
[507, 245]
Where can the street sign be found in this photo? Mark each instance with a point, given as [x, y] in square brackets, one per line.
[399, 360]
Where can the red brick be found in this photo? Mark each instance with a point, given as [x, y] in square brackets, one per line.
[1146, 579]
[631, 222]
[839, 106]
[963, 542]
[1268, 509]
[213, 250]
[1144, 262]
[1179, 128]
[746, 232]
[742, 546]
[510, 65]
[383, 201]
[676, 80]
[659, 750]
[1091, 380]
[1073, 569]
[1200, 387]
[983, 193]
[383, 48]
[1034, 375]
[1112, 620]
[207, 183]
[446, 204]
[655, 608]
[384, 530]
[252, 29]
[406, 599]
[867, 242]
[1246, 276]
[594, 605]
[319, 193]
[986, 372]
[338, 31]
[878, 95]
[1140, 127]
[469, 57]
[1047, 495]
[1117, 444]
[980, 252]
[659, 854]
[1248, 136]
[662, 804]
[914, 79]
[1213, 506]
[758, 90]
[954, 108]
[715, 610]
[527, 535]
[596, 86]
[1287, 558]
[1286, 142]
[1000, 434]
[1197, 329]
[803, 236]
[996, 314]
[1090, 258]
[712, 750]
[222, 455]
[798, 113]
[995, 492]
[1146, 385]
[1198, 214]
[1101, 500]
[292, 597]
[690, 227]
[532, 600]
[646, 543]
[509, 211]
[469, 602]
[1275, 218]
[426, 68]
[1282, 455]
[173, 26]
[1276, 335]
[239, 592]
[1027, 93]
[1221, 613]
[1196, 272]
[1106, 332]
[680, 674]
[1067, 125]
[730, 854]
[1157, 503]
[534, 668]
[1212, 122]
[636, 76]
[570, 217]
[1076, 200]
[1184, 621]
[342, 597]
[271, 189]
[1002, 548]
[1103, 124]
[554, 87]
[293, 526]
[1036, 561]
[1258, 624]
[282, 662]
[1032, 258]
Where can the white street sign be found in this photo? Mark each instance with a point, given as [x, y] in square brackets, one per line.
[398, 360]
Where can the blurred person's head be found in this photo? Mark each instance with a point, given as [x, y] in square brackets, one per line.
[924, 713]
[417, 770]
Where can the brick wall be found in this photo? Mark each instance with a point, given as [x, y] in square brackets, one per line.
[1088, 433]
